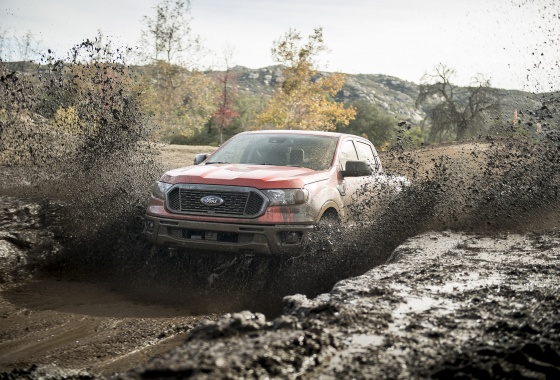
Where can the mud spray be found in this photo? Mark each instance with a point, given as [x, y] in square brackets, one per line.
[95, 162]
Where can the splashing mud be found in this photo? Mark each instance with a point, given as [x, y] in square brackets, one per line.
[72, 131]
[85, 181]
[96, 159]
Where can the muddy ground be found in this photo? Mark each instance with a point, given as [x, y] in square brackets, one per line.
[445, 306]
[422, 303]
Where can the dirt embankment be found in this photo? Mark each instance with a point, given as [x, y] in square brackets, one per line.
[446, 304]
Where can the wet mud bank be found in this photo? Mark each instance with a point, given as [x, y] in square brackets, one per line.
[30, 236]
[446, 305]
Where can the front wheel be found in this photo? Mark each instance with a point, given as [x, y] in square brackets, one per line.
[329, 222]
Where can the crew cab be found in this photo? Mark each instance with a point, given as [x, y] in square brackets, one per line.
[261, 192]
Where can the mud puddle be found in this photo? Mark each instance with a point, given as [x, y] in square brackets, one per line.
[84, 325]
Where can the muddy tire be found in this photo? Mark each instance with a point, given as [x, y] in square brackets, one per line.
[330, 221]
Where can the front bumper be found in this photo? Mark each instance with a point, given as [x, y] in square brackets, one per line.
[237, 238]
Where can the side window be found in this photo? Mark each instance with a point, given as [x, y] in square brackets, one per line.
[365, 153]
[347, 153]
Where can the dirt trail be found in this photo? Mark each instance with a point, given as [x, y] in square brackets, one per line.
[83, 325]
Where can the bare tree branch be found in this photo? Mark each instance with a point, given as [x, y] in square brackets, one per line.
[455, 110]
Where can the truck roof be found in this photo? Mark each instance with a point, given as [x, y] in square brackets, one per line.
[299, 132]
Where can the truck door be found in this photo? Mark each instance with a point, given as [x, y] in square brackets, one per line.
[349, 187]
[368, 153]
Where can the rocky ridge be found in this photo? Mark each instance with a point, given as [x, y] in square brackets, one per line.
[395, 96]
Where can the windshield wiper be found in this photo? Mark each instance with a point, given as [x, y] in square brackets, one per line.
[216, 162]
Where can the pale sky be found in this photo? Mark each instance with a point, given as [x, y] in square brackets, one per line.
[501, 39]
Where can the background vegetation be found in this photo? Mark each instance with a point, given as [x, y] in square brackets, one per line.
[180, 102]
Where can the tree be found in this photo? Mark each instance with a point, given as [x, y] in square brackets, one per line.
[179, 98]
[178, 111]
[249, 106]
[371, 123]
[305, 99]
[225, 113]
[457, 110]
[168, 35]
[166, 39]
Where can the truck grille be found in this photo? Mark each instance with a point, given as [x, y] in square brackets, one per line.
[240, 202]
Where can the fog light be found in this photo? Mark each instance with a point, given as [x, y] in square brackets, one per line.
[291, 237]
[149, 226]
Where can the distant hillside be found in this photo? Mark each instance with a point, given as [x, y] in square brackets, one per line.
[394, 95]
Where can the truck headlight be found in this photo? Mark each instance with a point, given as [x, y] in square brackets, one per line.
[159, 189]
[283, 197]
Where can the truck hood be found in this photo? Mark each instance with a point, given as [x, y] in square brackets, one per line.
[258, 176]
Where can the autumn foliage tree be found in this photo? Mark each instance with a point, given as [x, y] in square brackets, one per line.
[305, 99]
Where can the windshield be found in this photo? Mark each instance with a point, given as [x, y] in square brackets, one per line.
[308, 151]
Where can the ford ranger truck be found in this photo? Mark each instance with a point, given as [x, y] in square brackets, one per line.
[261, 192]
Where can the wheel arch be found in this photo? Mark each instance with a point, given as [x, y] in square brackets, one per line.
[329, 208]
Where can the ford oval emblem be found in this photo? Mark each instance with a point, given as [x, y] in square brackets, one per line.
[211, 200]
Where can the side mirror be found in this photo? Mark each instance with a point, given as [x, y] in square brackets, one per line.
[356, 169]
[200, 158]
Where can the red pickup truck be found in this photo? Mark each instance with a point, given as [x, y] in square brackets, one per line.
[261, 192]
